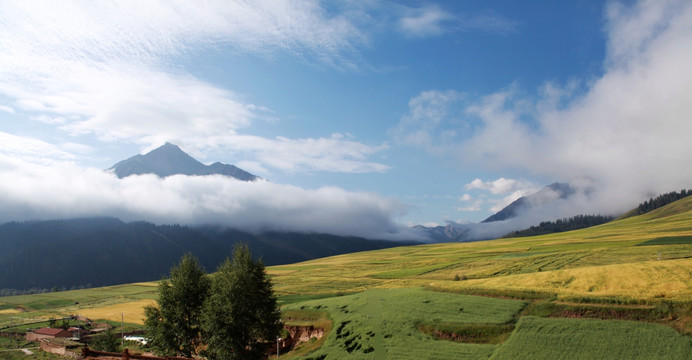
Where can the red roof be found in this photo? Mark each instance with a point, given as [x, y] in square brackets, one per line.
[48, 331]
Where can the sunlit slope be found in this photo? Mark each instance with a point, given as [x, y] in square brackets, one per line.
[619, 260]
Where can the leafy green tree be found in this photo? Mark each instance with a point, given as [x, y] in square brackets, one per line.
[174, 326]
[106, 341]
[241, 315]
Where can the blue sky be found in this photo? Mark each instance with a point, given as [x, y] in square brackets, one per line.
[377, 112]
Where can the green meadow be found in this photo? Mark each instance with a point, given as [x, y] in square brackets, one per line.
[383, 323]
[546, 338]
[618, 290]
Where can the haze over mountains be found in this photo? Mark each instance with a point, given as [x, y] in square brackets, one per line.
[549, 203]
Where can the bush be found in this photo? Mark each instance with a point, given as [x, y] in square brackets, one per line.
[106, 341]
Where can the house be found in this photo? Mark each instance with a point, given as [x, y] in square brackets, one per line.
[47, 333]
[61, 346]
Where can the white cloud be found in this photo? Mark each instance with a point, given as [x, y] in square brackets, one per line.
[429, 121]
[501, 186]
[505, 192]
[132, 31]
[626, 131]
[64, 190]
[471, 204]
[107, 70]
[431, 20]
[323, 154]
[32, 150]
[425, 21]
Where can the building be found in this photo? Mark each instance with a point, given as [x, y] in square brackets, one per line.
[61, 346]
[47, 333]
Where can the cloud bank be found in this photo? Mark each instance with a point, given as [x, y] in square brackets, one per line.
[626, 132]
[64, 190]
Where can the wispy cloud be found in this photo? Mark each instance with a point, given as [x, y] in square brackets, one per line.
[432, 20]
[106, 69]
[32, 150]
[430, 122]
[425, 21]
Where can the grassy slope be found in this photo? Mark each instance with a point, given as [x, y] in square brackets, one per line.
[382, 323]
[539, 338]
[602, 263]
[599, 262]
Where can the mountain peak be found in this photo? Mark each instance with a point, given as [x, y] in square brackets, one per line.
[169, 159]
[546, 195]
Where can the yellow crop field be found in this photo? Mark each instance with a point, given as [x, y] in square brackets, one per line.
[133, 311]
[638, 281]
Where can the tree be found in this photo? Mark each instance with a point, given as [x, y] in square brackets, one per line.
[241, 316]
[106, 341]
[174, 326]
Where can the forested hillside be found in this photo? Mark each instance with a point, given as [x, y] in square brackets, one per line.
[65, 254]
[560, 225]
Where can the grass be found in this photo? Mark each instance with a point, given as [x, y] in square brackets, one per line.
[468, 333]
[383, 323]
[668, 240]
[544, 338]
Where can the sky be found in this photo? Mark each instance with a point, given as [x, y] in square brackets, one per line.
[364, 117]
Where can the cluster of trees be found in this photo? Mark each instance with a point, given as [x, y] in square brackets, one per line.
[662, 200]
[560, 225]
[232, 315]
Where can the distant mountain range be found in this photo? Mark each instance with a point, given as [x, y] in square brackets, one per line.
[169, 160]
[106, 251]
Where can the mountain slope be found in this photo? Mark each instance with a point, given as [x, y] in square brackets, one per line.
[546, 195]
[105, 251]
[169, 160]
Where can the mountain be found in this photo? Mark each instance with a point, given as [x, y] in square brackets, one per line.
[106, 251]
[546, 195]
[169, 160]
[447, 233]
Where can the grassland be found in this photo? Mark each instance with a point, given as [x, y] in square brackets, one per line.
[642, 262]
[600, 262]
[378, 324]
[540, 338]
